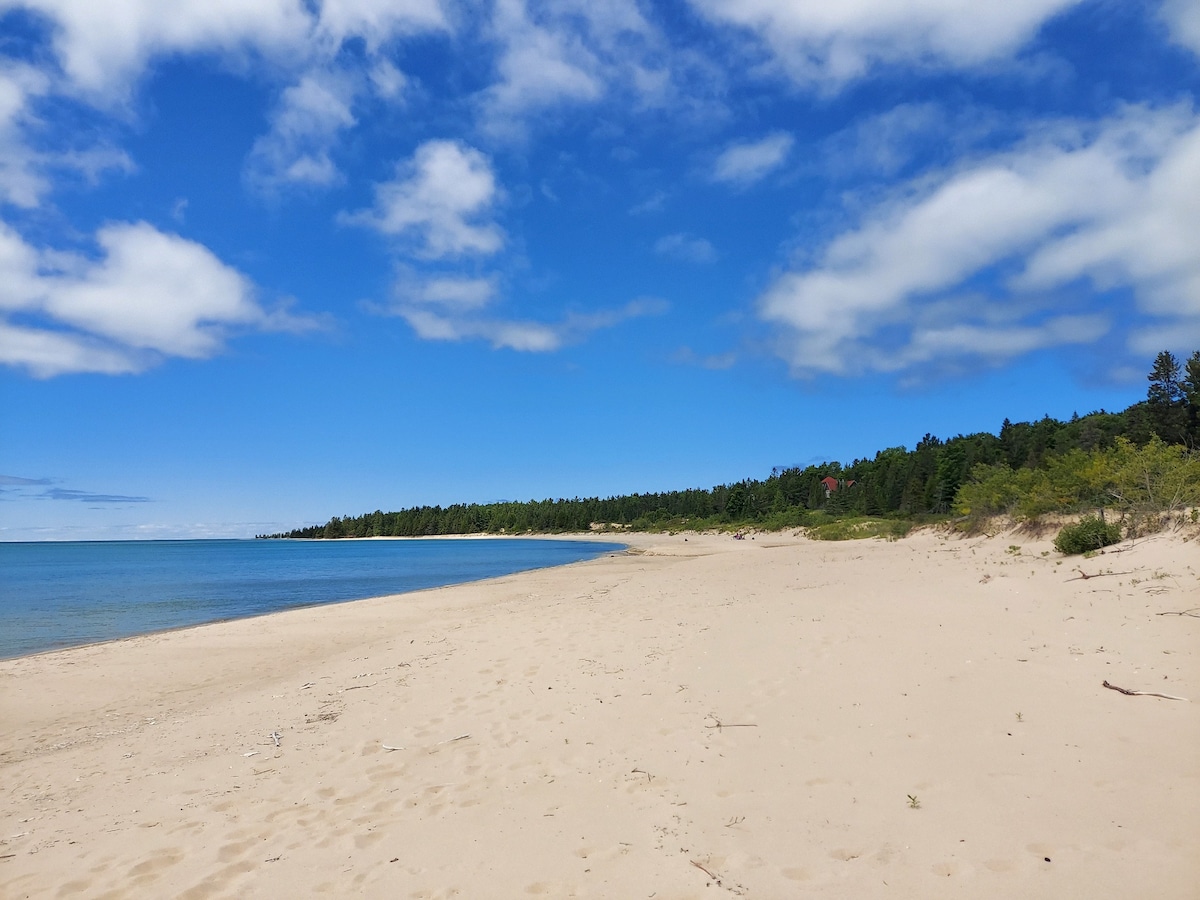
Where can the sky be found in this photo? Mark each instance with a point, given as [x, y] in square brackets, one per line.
[266, 263]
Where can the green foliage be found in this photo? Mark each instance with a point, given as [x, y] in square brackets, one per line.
[857, 528]
[1134, 461]
[1088, 534]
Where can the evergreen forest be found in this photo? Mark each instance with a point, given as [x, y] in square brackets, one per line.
[1141, 463]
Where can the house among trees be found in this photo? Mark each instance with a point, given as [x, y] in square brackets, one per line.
[833, 484]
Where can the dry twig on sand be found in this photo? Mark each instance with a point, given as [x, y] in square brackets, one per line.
[1194, 612]
[720, 724]
[1084, 576]
[1126, 691]
[707, 872]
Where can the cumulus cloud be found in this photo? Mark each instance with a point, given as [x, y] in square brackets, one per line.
[539, 67]
[25, 171]
[102, 51]
[304, 128]
[817, 42]
[744, 164]
[570, 53]
[1114, 205]
[104, 47]
[685, 248]
[149, 295]
[440, 202]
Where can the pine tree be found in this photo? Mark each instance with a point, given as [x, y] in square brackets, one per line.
[1165, 399]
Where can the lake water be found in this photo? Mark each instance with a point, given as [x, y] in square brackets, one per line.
[55, 595]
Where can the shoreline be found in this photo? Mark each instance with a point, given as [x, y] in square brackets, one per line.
[617, 548]
[756, 712]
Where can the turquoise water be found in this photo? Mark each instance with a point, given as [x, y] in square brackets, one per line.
[55, 595]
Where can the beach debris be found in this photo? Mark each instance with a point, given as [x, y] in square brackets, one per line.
[275, 736]
[1129, 693]
[355, 687]
[735, 820]
[1194, 612]
[642, 772]
[708, 872]
[913, 802]
[389, 746]
[461, 737]
[251, 753]
[717, 723]
[1084, 576]
[307, 685]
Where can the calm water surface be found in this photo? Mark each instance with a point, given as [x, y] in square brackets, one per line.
[64, 594]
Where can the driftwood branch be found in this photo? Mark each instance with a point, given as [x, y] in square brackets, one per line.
[1129, 693]
[1084, 576]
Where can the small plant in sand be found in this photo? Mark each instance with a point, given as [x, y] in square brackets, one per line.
[1020, 718]
[1014, 549]
[913, 802]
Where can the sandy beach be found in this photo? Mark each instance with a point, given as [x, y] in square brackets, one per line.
[699, 717]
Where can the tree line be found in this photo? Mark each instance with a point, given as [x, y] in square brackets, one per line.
[1027, 468]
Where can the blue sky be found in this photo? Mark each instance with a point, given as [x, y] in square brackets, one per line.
[265, 263]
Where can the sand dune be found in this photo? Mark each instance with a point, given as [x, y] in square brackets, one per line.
[766, 718]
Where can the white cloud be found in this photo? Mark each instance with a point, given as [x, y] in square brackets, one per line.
[1115, 206]
[553, 56]
[441, 200]
[743, 164]
[525, 336]
[388, 81]
[652, 204]
[539, 67]
[25, 171]
[149, 295]
[377, 21]
[104, 47]
[831, 43]
[21, 181]
[450, 292]
[686, 248]
[1183, 18]
[304, 128]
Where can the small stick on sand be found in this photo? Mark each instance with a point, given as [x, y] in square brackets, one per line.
[1194, 612]
[642, 772]
[1126, 691]
[275, 736]
[706, 872]
[720, 724]
[1084, 576]
[461, 737]
[390, 747]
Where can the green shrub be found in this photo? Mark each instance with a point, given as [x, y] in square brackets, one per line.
[858, 528]
[1089, 533]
